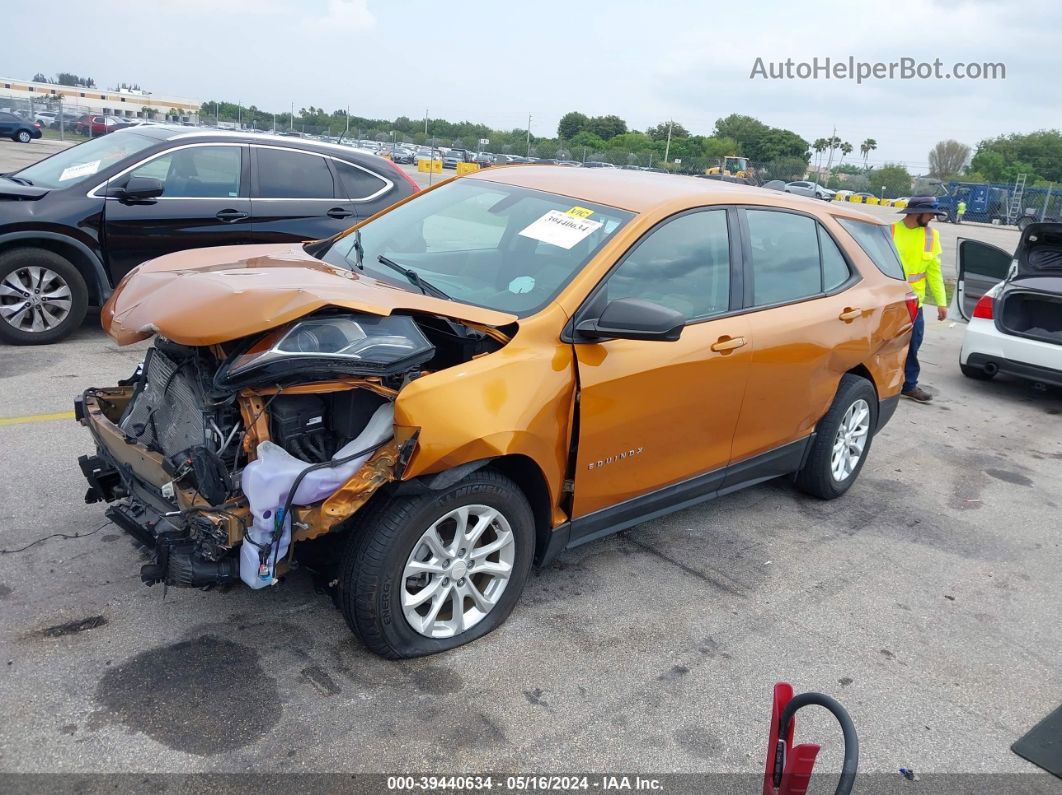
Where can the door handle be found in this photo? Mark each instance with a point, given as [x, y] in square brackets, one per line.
[725, 344]
[230, 215]
[849, 314]
[339, 212]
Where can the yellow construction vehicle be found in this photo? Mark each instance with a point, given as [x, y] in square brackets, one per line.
[731, 166]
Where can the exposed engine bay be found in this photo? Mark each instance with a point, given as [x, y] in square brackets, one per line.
[223, 458]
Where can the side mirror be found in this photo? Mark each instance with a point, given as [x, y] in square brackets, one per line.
[139, 189]
[634, 319]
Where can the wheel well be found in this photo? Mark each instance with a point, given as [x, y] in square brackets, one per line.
[67, 251]
[526, 474]
[863, 372]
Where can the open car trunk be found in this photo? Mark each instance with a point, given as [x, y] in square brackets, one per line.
[1036, 314]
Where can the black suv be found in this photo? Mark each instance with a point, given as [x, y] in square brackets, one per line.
[73, 224]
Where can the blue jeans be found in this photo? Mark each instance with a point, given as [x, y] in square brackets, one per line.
[911, 369]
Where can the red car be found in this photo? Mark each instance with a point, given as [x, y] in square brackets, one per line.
[94, 126]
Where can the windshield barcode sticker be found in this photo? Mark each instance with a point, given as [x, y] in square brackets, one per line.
[559, 229]
[82, 170]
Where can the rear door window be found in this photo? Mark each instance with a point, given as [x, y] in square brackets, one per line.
[284, 174]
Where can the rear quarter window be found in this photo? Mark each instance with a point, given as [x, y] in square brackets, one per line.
[358, 183]
[876, 241]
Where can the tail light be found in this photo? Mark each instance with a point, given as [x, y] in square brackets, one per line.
[406, 177]
[983, 309]
[912, 305]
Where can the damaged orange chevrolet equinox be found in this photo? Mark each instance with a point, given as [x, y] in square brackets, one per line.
[495, 370]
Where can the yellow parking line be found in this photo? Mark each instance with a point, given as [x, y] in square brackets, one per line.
[59, 415]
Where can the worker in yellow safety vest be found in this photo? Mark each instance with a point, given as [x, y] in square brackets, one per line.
[960, 211]
[919, 247]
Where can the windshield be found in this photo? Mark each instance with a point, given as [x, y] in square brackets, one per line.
[497, 246]
[80, 162]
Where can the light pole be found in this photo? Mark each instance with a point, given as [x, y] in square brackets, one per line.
[667, 146]
[529, 135]
[882, 191]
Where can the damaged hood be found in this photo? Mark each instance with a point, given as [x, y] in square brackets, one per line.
[213, 295]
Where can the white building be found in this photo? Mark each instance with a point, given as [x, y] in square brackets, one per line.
[31, 95]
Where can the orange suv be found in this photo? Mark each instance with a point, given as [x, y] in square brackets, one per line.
[495, 370]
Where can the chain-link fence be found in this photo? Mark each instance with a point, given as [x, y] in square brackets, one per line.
[65, 119]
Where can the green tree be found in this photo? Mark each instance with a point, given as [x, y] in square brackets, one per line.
[787, 169]
[865, 148]
[819, 146]
[587, 140]
[571, 124]
[894, 178]
[632, 141]
[743, 129]
[659, 132]
[1038, 155]
[606, 127]
[776, 144]
[846, 149]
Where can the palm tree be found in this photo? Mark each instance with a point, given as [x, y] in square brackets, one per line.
[865, 148]
[819, 146]
[846, 149]
[832, 143]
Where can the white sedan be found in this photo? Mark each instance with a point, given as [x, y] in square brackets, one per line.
[1014, 305]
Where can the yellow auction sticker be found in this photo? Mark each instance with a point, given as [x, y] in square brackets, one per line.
[580, 212]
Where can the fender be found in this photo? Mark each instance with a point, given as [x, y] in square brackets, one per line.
[102, 281]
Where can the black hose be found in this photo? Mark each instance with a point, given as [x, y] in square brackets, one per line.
[285, 511]
[851, 740]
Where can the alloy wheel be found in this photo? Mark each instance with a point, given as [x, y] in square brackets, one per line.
[34, 299]
[851, 440]
[458, 571]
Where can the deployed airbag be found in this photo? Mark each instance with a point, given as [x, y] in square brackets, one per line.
[267, 480]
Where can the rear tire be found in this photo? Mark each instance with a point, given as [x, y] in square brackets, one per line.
[376, 588]
[29, 274]
[976, 373]
[831, 467]
[23, 137]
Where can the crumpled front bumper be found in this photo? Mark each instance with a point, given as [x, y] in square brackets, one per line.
[192, 546]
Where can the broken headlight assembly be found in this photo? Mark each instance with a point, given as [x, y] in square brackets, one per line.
[328, 346]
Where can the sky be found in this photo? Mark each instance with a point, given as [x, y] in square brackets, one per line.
[499, 62]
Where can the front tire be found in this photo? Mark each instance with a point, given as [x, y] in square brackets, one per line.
[842, 440]
[43, 297]
[427, 573]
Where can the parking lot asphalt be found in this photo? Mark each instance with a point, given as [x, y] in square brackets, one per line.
[925, 600]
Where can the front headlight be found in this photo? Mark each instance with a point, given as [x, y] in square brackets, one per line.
[322, 347]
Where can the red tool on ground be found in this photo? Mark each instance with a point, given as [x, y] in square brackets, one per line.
[788, 767]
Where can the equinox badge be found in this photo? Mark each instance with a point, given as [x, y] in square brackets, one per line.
[613, 458]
